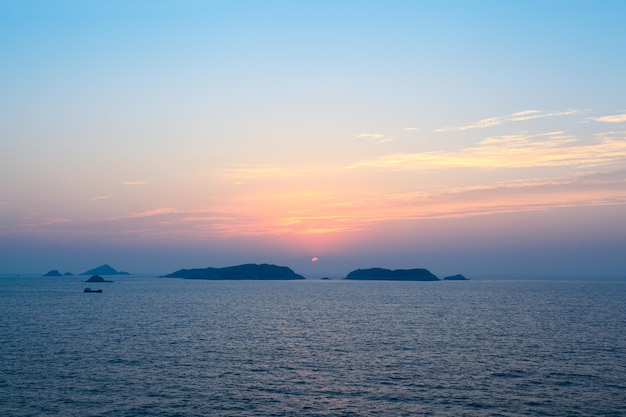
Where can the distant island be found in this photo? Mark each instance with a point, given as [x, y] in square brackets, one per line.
[381, 274]
[56, 273]
[104, 270]
[97, 278]
[457, 277]
[239, 272]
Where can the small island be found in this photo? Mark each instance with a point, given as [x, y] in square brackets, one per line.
[381, 274]
[56, 273]
[97, 278]
[240, 272]
[457, 277]
[104, 270]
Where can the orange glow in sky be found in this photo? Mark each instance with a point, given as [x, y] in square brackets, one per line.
[304, 143]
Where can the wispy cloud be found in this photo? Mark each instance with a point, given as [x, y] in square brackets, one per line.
[374, 137]
[514, 117]
[57, 220]
[240, 172]
[367, 209]
[616, 118]
[151, 213]
[513, 151]
[315, 199]
[350, 210]
[99, 197]
[39, 223]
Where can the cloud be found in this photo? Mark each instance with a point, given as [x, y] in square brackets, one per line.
[316, 200]
[57, 220]
[99, 197]
[309, 223]
[514, 117]
[271, 212]
[39, 223]
[161, 223]
[367, 209]
[151, 213]
[551, 149]
[616, 118]
[135, 183]
[374, 137]
[410, 128]
[239, 174]
[242, 172]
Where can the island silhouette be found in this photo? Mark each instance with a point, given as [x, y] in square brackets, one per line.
[457, 277]
[104, 270]
[239, 272]
[97, 278]
[382, 274]
[56, 273]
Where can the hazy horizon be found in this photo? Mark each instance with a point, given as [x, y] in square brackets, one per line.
[483, 138]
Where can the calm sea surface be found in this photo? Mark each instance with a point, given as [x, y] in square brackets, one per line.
[168, 347]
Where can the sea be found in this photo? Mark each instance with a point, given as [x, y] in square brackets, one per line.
[149, 346]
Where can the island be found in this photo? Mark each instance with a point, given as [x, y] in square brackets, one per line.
[104, 270]
[457, 277]
[56, 273]
[381, 274]
[97, 278]
[240, 272]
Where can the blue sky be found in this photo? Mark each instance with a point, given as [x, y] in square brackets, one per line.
[478, 137]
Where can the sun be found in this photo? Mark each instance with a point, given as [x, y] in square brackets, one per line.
[314, 259]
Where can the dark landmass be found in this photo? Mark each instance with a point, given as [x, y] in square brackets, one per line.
[240, 272]
[104, 270]
[56, 273]
[381, 274]
[457, 277]
[97, 278]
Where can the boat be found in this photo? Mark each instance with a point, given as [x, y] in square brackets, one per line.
[90, 290]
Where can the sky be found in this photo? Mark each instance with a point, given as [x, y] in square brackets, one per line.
[486, 138]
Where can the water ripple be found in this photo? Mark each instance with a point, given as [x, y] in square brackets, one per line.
[312, 348]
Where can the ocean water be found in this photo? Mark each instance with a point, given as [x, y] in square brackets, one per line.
[150, 346]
